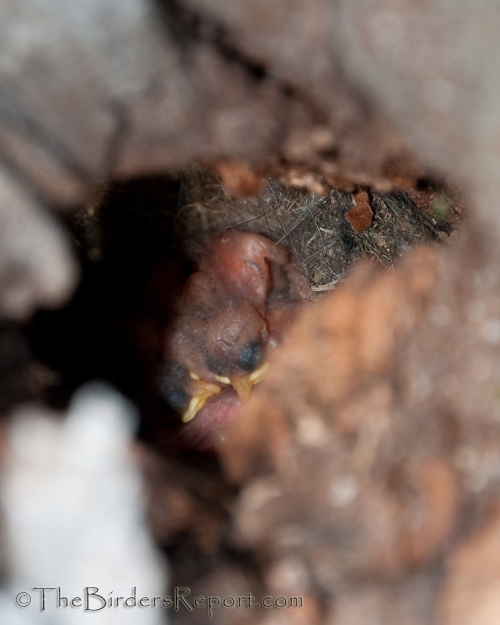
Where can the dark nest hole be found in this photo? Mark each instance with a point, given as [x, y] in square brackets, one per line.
[137, 243]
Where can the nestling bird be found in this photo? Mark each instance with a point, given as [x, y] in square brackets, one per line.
[233, 310]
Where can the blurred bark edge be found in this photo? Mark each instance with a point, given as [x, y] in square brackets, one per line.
[369, 461]
[121, 88]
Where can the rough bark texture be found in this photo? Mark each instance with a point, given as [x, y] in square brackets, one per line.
[370, 450]
[365, 472]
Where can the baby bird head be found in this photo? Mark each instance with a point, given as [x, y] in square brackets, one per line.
[235, 341]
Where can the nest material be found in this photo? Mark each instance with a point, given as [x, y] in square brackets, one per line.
[314, 228]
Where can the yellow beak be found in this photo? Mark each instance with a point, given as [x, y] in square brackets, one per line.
[243, 384]
[201, 391]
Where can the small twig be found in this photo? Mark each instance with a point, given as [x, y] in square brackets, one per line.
[325, 287]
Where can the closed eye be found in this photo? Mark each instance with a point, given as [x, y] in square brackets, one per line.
[251, 356]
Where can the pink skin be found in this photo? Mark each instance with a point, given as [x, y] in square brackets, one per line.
[246, 289]
[208, 426]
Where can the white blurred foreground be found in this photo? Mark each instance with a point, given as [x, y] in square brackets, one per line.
[73, 515]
